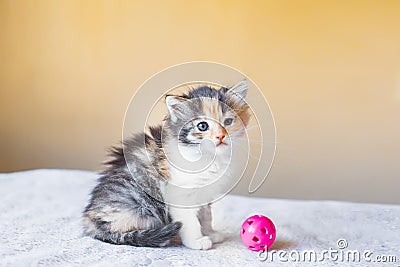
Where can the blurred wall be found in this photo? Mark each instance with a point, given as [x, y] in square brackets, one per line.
[330, 70]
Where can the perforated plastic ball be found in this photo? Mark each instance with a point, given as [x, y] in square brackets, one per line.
[258, 233]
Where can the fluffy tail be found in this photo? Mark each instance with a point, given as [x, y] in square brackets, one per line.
[156, 237]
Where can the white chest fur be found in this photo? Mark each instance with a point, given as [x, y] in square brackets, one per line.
[200, 176]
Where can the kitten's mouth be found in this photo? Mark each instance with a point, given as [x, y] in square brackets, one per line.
[222, 143]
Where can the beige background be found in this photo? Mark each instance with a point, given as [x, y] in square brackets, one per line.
[330, 70]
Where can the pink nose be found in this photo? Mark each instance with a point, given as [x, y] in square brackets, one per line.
[220, 137]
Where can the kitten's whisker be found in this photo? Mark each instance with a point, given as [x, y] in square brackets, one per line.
[247, 150]
[249, 140]
[256, 141]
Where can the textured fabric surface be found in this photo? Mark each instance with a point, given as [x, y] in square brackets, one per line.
[41, 226]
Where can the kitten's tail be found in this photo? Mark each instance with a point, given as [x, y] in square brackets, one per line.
[155, 237]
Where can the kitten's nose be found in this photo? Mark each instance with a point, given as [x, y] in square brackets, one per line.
[220, 137]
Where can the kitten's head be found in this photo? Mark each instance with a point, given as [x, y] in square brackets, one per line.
[219, 115]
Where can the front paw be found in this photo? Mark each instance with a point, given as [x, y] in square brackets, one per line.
[202, 243]
[217, 237]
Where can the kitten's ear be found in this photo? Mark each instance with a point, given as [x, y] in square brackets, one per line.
[239, 90]
[175, 105]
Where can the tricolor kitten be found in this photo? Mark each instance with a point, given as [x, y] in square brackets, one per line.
[121, 212]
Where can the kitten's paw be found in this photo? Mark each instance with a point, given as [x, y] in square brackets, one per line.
[218, 237]
[202, 243]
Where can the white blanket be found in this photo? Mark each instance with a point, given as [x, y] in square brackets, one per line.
[40, 226]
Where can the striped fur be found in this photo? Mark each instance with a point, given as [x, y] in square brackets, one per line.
[127, 204]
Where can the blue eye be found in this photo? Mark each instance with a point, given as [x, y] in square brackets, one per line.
[202, 126]
[228, 122]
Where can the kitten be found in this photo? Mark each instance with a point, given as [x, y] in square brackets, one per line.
[128, 205]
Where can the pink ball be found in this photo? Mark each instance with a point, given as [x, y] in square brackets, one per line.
[258, 233]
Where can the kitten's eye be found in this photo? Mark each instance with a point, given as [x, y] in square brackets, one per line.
[202, 126]
[228, 122]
